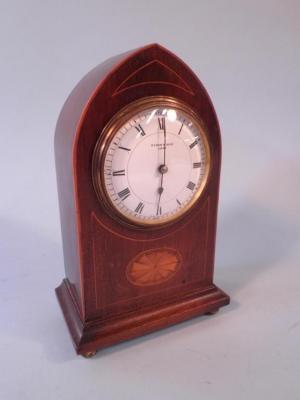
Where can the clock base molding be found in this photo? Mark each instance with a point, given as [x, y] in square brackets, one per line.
[96, 334]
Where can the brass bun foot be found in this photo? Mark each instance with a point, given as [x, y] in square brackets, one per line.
[212, 312]
[89, 354]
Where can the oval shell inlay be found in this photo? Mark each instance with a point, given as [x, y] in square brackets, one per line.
[152, 267]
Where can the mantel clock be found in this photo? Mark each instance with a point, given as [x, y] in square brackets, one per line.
[138, 156]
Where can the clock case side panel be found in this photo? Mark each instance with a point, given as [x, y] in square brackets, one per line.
[149, 71]
[65, 160]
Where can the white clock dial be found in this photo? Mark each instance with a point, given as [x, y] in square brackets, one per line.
[155, 165]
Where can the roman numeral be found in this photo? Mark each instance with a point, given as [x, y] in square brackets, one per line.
[159, 211]
[178, 202]
[194, 143]
[124, 194]
[180, 129]
[119, 173]
[162, 123]
[139, 208]
[197, 165]
[191, 185]
[140, 130]
[124, 148]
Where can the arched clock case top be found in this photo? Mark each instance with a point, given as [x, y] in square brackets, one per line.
[109, 295]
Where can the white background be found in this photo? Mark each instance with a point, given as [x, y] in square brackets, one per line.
[247, 54]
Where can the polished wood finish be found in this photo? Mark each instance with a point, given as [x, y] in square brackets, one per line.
[101, 303]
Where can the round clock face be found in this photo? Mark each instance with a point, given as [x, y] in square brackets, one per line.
[152, 162]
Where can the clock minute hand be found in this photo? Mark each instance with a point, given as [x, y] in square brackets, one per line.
[165, 141]
[162, 168]
[160, 190]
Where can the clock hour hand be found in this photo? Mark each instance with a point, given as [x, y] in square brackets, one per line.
[162, 169]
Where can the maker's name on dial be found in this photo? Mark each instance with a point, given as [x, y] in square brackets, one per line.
[161, 145]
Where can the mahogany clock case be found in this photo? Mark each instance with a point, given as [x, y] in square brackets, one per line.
[102, 300]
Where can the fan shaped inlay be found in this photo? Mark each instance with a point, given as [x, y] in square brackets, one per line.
[152, 267]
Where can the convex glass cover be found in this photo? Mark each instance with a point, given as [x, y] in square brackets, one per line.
[151, 162]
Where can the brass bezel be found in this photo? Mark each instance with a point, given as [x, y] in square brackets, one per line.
[106, 136]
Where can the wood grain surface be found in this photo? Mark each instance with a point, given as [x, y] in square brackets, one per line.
[105, 297]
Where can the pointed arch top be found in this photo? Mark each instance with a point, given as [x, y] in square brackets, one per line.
[149, 70]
